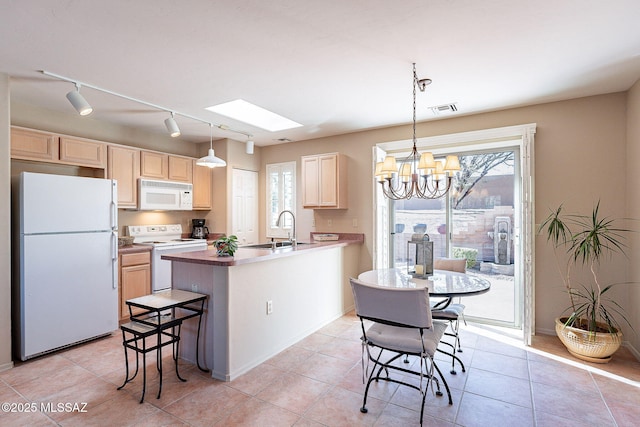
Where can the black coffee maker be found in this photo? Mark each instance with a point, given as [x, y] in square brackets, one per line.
[199, 230]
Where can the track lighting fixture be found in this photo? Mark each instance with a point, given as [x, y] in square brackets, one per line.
[172, 126]
[249, 147]
[79, 103]
[210, 160]
[83, 107]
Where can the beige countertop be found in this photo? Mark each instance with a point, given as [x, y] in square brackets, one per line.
[245, 255]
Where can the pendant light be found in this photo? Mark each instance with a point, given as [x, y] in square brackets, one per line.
[210, 160]
[418, 175]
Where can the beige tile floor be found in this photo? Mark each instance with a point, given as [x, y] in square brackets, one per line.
[318, 382]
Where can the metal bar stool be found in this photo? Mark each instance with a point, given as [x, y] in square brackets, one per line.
[139, 332]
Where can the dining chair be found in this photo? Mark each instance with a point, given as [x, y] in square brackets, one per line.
[402, 325]
[451, 312]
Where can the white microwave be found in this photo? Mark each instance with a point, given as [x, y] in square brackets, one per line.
[164, 195]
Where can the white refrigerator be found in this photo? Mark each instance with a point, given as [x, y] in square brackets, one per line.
[68, 258]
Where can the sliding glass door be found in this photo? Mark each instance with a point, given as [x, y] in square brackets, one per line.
[478, 221]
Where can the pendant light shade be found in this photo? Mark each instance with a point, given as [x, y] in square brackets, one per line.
[210, 160]
[79, 103]
[249, 147]
[172, 126]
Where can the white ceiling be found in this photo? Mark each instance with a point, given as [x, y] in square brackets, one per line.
[336, 66]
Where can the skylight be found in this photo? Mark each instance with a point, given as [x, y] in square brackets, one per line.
[252, 114]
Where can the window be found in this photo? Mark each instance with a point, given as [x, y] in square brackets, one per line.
[281, 195]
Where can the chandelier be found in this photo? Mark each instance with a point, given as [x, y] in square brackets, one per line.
[418, 175]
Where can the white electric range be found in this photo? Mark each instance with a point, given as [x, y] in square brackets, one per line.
[164, 240]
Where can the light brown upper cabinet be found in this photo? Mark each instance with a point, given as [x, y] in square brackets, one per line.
[123, 165]
[324, 181]
[163, 166]
[29, 144]
[154, 165]
[83, 152]
[202, 184]
[180, 168]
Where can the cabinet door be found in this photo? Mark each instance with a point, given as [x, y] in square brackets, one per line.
[180, 169]
[33, 145]
[328, 180]
[83, 152]
[324, 181]
[310, 184]
[154, 165]
[135, 281]
[123, 165]
[202, 195]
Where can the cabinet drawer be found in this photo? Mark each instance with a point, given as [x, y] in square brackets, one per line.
[135, 259]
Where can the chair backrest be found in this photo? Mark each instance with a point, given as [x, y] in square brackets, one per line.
[458, 265]
[403, 306]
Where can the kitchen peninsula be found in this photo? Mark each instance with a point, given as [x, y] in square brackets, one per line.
[264, 300]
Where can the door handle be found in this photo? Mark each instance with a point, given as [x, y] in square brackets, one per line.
[114, 260]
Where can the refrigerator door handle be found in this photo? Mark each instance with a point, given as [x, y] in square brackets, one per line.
[114, 259]
[114, 204]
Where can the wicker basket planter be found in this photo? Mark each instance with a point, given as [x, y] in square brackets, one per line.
[592, 347]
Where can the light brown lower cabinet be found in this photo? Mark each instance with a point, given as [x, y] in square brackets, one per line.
[135, 279]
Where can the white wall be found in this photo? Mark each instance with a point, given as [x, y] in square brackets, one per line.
[580, 149]
[633, 208]
[5, 226]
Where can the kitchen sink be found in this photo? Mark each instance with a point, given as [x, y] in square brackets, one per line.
[270, 245]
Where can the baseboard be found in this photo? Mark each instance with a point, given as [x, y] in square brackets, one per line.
[545, 331]
[632, 349]
[6, 366]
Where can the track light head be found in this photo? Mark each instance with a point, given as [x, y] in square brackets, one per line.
[79, 103]
[172, 126]
[249, 147]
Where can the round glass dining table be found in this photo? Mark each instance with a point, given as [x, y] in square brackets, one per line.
[442, 283]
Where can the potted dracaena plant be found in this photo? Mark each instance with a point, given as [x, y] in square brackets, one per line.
[591, 331]
[227, 245]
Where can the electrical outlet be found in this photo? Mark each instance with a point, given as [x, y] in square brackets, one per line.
[269, 307]
[355, 223]
[194, 288]
[329, 223]
[313, 222]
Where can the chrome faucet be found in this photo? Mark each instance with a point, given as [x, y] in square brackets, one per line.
[291, 238]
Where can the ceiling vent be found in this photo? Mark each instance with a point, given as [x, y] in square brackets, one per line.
[444, 109]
